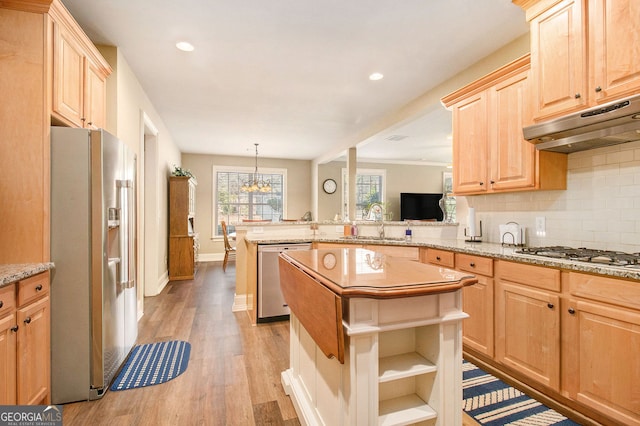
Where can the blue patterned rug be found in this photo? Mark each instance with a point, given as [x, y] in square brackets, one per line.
[492, 402]
[152, 364]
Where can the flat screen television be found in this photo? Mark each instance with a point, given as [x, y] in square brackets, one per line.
[414, 206]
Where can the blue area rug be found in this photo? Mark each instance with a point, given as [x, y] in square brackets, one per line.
[493, 402]
[152, 364]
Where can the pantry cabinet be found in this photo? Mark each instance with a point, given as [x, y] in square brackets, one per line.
[490, 153]
[25, 342]
[79, 75]
[182, 236]
[580, 53]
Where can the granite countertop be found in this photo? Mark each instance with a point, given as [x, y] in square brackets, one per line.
[10, 273]
[497, 251]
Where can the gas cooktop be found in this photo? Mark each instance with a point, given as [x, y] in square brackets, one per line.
[606, 257]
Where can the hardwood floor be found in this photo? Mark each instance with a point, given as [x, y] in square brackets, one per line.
[234, 370]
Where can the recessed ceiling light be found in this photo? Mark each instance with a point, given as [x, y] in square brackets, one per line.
[376, 76]
[185, 46]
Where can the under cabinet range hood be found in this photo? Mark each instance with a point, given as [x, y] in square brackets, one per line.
[608, 124]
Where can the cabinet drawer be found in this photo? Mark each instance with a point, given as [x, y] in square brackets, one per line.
[440, 257]
[531, 275]
[603, 289]
[476, 264]
[33, 288]
[7, 299]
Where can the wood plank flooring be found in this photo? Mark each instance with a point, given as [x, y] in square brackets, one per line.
[233, 376]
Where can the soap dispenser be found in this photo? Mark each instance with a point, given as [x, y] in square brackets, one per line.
[407, 234]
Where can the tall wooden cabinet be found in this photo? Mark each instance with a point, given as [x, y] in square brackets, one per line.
[490, 153]
[581, 53]
[182, 237]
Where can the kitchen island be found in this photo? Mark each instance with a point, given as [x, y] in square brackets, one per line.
[374, 339]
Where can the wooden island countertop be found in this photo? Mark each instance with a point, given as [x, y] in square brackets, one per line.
[374, 339]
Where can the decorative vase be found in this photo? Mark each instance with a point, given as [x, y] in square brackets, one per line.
[443, 206]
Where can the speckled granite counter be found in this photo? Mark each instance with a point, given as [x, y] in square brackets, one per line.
[15, 272]
[494, 250]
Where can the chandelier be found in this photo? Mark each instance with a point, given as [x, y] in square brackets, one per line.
[255, 184]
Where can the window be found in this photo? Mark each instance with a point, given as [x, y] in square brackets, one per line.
[232, 205]
[369, 189]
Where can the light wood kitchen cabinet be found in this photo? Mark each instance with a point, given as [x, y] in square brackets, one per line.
[601, 343]
[25, 342]
[580, 53]
[437, 257]
[79, 75]
[527, 311]
[477, 301]
[490, 153]
[8, 330]
[182, 241]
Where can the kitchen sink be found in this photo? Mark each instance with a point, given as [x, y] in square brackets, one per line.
[373, 238]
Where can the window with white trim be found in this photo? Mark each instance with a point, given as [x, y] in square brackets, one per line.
[370, 188]
[232, 205]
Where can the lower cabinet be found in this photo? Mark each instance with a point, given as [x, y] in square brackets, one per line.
[25, 342]
[528, 322]
[181, 258]
[601, 346]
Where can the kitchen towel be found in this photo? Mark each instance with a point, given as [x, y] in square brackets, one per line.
[152, 364]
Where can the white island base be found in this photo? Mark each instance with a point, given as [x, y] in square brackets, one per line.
[402, 365]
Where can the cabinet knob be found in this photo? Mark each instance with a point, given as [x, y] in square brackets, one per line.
[14, 328]
[572, 311]
[437, 257]
[598, 89]
[481, 183]
[39, 287]
[27, 320]
[90, 123]
[550, 305]
[492, 182]
[472, 264]
[1, 303]
[578, 95]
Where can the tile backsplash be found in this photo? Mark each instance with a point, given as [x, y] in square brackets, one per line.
[599, 209]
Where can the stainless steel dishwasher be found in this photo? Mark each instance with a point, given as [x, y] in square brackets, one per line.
[271, 303]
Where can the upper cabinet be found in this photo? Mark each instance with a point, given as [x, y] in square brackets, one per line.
[580, 53]
[79, 75]
[490, 153]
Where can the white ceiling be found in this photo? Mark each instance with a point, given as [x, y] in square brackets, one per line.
[292, 75]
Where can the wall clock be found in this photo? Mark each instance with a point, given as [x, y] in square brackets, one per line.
[329, 186]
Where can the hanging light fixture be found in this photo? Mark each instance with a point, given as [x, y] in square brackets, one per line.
[255, 184]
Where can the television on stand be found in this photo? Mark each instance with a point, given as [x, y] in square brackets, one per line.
[420, 206]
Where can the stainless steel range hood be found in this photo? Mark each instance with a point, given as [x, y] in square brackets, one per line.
[608, 124]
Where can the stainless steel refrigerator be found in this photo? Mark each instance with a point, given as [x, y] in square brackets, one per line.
[93, 286]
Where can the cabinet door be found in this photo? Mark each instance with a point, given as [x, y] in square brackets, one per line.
[470, 152]
[528, 332]
[602, 349]
[181, 258]
[34, 353]
[68, 75]
[477, 330]
[94, 97]
[8, 360]
[513, 159]
[558, 61]
[613, 48]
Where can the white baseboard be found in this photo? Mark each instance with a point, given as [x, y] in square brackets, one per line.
[210, 257]
[162, 283]
[239, 303]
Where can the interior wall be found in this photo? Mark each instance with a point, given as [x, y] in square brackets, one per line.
[399, 178]
[298, 196]
[126, 101]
